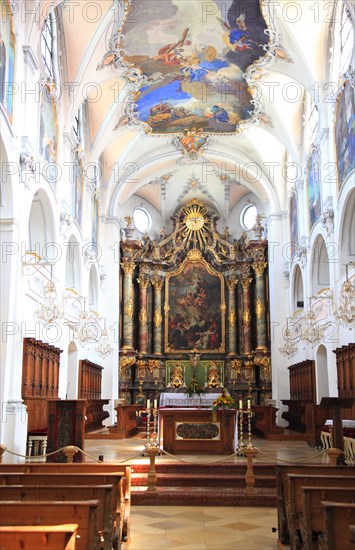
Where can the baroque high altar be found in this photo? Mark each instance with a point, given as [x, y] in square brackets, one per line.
[194, 304]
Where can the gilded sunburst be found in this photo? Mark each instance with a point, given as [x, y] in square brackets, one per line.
[195, 223]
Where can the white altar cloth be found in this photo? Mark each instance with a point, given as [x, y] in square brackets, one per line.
[181, 400]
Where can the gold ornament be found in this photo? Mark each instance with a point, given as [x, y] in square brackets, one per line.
[194, 255]
[232, 317]
[126, 361]
[157, 317]
[128, 308]
[246, 317]
[128, 267]
[143, 316]
[260, 308]
[259, 268]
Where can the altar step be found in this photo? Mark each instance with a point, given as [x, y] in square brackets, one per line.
[204, 485]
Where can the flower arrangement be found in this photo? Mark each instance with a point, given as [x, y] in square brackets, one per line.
[224, 401]
[194, 387]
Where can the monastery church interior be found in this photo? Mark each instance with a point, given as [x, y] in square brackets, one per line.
[177, 205]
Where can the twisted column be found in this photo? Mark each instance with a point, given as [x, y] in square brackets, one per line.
[143, 282]
[157, 319]
[128, 267]
[232, 315]
[246, 301]
[260, 309]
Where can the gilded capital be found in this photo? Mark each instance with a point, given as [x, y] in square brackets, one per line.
[259, 268]
[157, 282]
[231, 283]
[128, 266]
[143, 282]
[246, 283]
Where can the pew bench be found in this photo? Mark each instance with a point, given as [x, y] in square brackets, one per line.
[84, 467]
[55, 513]
[312, 516]
[38, 537]
[338, 516]
[282, 472]
[78, 479]
[104, 494]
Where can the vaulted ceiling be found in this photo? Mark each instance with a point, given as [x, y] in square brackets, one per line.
[233, 164]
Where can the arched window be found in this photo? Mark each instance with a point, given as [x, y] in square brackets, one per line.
[142, 219]
[248, 216]
[346, 40]
[311, 120]
[298, 294]
[320, 266]
[49, 47]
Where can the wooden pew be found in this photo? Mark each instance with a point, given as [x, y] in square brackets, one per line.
[282, 472]
[338, 516]
[55, 513]
[72, 479]
[85, 467]
[294, 501]
[102, 493]
[36, 537]
[312, 516]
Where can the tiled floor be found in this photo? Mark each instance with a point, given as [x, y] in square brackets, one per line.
[202, 528]
[198, 528]
[268, 451]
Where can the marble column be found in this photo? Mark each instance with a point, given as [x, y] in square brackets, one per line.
[128, 267]
[232, 315]
[260, 308]
[143, 282]
[246, 300]
[158, 319]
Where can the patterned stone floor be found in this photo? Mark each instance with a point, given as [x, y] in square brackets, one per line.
[199, 528]
[203, 528]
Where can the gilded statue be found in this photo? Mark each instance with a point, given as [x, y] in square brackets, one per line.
[177, 377]
[214, 380]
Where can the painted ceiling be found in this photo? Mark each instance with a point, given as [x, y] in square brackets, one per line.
[193, 56]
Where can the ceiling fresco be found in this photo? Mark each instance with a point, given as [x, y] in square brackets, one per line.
[193, 55]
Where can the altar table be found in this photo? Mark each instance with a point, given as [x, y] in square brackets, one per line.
[171, 399]
[193, 431]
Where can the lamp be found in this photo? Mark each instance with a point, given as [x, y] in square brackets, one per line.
[311, 329]
[104, 347]
[289, 348]
[47, 311]
[345, 312]
[87, 328]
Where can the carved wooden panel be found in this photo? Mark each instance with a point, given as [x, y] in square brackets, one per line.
[90, 377]
[345, 358]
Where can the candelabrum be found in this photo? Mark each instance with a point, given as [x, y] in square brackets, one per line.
[152, 438]
[242, 445]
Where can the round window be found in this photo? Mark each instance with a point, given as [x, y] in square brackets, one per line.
[248, 216]
[142, 220]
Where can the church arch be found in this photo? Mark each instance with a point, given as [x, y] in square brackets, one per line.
[297, 289]
[73, 265]
[41, 228]
[72, 371]
[347, 232]
[320, 276]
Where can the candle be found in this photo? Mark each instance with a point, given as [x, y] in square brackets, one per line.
[148, 403]
[155, 404]
[248, 403]
[240, 404]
